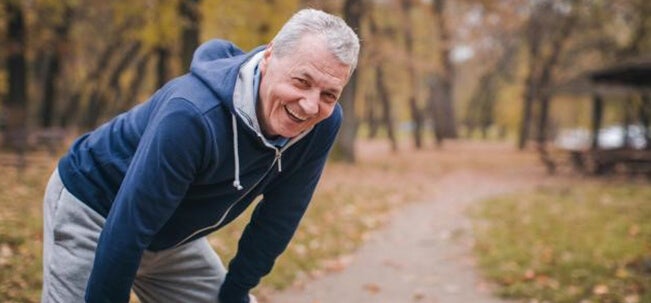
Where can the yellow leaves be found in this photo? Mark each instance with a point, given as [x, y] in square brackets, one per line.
[544, 281]
[5, 254]
[245, 24]
[299, 249]
[600, 289]
[634, 230]
[547, 254]
[21, 198]
[530, 274]
[622, 273]
[585, 243]
[337, 264]
[162, 23]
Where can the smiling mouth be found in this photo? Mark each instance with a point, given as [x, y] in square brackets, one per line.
[294, 115]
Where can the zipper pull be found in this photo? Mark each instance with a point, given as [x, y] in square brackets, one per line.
[279, 158]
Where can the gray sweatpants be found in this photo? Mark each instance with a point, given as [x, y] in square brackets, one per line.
[190, 273]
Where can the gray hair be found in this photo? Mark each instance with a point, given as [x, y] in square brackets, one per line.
[341, 40]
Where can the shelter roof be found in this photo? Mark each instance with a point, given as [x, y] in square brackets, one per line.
[627, 77]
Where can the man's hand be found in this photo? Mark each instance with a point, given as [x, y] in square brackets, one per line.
[252, 299]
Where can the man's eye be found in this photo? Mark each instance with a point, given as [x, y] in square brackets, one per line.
[330, 98]
[301, 82]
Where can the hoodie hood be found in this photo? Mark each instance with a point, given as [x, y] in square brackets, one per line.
[229, 73]
[217, 63]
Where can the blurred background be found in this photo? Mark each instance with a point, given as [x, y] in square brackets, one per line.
[430, 70]
[548, 86]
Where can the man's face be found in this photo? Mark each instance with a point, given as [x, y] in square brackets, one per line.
[300, 89]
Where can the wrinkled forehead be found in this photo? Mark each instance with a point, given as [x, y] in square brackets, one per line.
[313, 50]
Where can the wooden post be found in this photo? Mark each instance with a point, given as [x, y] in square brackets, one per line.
[645, 118]
[597, 113]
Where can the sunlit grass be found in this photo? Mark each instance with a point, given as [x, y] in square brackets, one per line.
[577, 243]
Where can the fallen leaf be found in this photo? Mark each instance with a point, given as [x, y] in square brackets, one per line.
[633, 230]
[372, 288]
[418, 296]
[392, 264]
[600, 289]
[5, 254]
[530, 274]
[338, 264]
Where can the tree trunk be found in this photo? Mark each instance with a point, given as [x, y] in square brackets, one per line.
[53, 58]
[74, 105]
[542, 135]
[533, 38]
[103, 94]
[163, 55]
[645, 118]
[387, 111]
[414, 108]
[487, 107]
[541, 66]
[527, 108]
[435, 108]
[345, 145]
[628, 109]
[131, 97]
[113, 92]
[52, 63]
[15, 106]
[544, 83]
[190, 23]
[371, 119]
[448, 124]
[480, 111]
[381, 94]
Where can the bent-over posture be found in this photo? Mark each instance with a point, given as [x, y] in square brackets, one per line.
[131, 202]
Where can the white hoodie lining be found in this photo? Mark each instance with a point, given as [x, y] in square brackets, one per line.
[244, 104]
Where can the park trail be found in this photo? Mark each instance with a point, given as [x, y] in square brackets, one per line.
[424, 252]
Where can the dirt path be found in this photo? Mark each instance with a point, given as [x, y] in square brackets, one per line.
[422, 255]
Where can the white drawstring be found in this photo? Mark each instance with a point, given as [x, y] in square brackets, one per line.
[236, 182]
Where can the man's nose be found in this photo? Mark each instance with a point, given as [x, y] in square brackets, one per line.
[310, 103]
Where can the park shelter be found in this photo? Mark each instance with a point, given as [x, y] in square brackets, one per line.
[621, 82]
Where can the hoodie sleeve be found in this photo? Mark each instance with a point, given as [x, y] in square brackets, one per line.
[165, 162]
[276, 218]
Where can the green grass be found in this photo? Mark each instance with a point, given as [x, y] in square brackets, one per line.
[575, 243]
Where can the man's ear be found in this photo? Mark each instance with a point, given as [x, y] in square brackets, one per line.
[269, 49]
[266, 56]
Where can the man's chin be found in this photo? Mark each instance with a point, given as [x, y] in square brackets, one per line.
[290, 133]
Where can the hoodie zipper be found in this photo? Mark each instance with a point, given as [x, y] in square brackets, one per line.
[277, 158]
[228, 210]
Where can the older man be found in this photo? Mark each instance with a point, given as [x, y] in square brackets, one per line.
[131, 203]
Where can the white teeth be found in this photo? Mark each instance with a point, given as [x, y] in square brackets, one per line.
[295, 114]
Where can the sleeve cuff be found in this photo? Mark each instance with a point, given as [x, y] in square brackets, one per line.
[232, 293]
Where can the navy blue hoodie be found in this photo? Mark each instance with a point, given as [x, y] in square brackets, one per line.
[163, 173]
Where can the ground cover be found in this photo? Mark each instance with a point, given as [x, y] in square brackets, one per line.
[581, 241]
